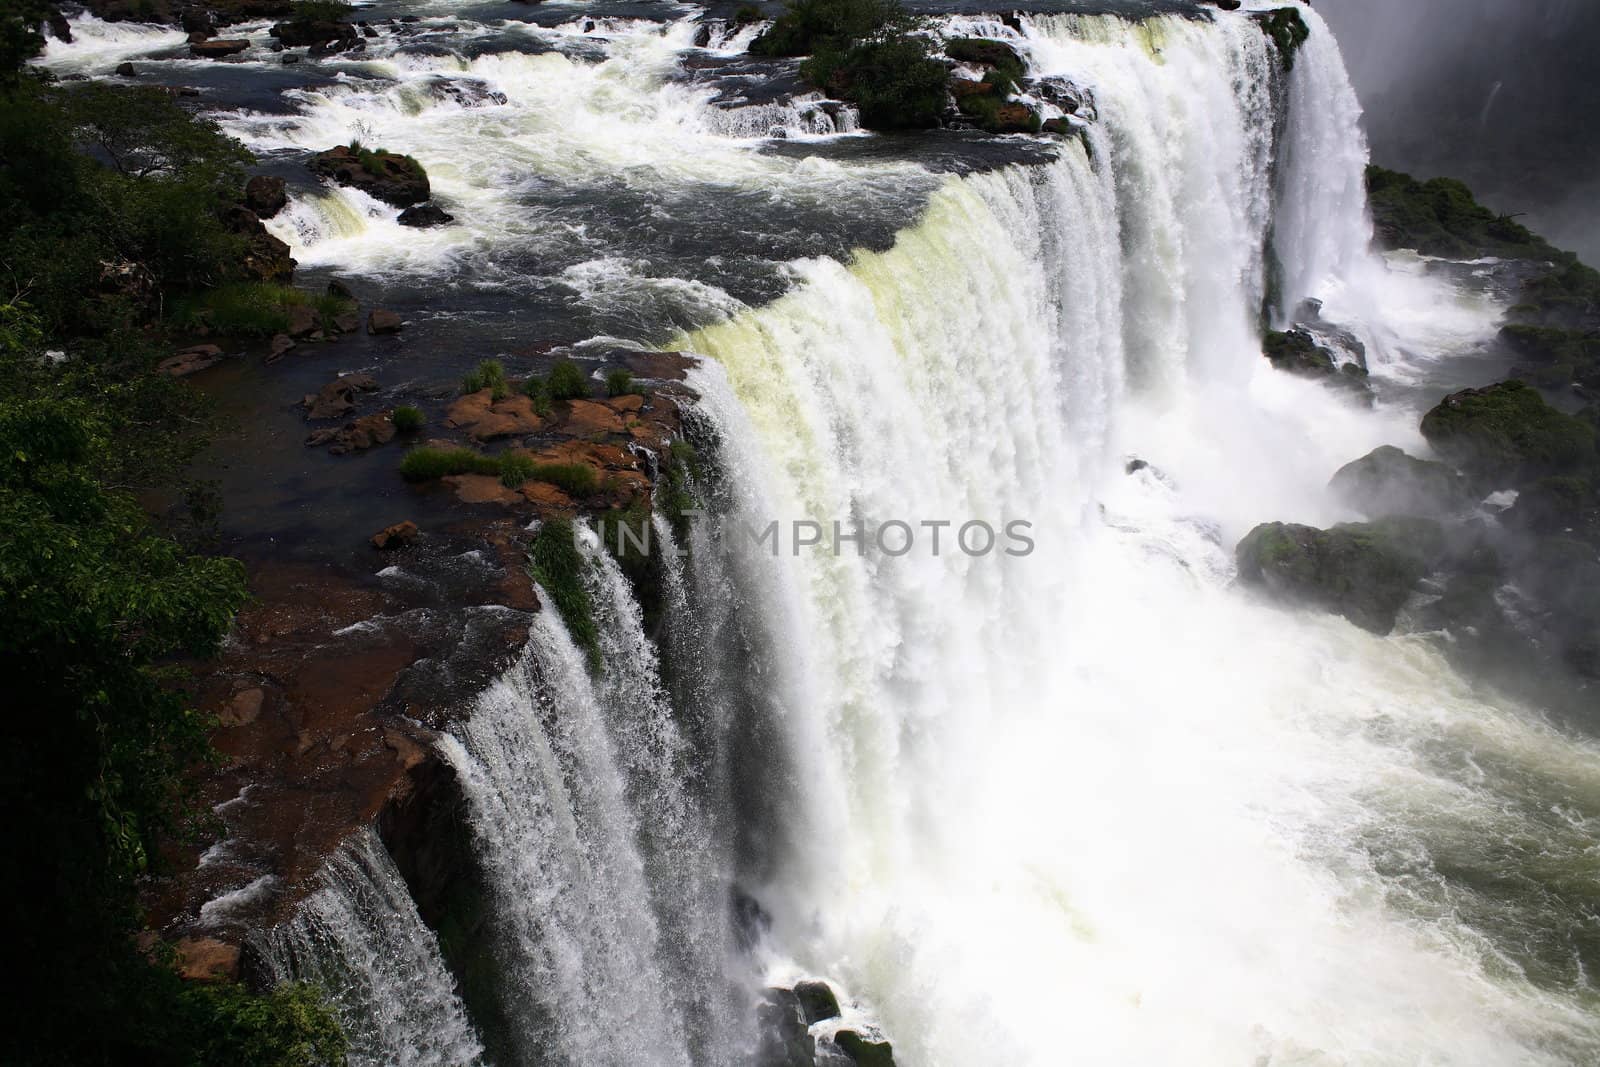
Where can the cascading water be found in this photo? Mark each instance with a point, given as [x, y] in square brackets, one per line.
[1085, 804]
[359, 938]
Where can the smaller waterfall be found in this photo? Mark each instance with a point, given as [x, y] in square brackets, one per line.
[360, 940]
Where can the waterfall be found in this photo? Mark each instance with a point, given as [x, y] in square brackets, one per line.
[610, 910]
[359, 938]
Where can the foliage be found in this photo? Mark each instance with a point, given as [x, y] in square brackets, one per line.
[538, 390]
[1287, 30]
[808, 27]
[575, 479]
[516, 468]
[895, 83]
[408, 418]
[20, 39]
[1439, 217]
[567, 381]
[383, 161]
[491, 375]
[559, 567]
[428, 463]
[619, 383]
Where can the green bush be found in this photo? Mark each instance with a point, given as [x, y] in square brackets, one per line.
[807, 27]
[491, 375]
[559, 567]
[620, 383]
[567, 381]
[428, 463]
[239, 309]
[408, 418]
[516, 468]
[895, 83]
[575, 479]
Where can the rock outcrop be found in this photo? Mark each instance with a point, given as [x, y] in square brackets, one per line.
[1505, 434]
[388, 176]
[1387, 481]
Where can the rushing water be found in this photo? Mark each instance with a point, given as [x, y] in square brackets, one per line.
[1088, 804]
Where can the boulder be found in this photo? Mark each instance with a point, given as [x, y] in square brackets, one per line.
[265, 195]
[381, 320]
[785, 1038]
[127, 70]
[243, 708]
[1505, 435]
[485, 418]
[338, 398]
[198, 20]
[817, 1001]
[863, 1051]
[362, 434]
[985, 51]
[1386, 481]
[303, 321]
[397, 536]
[340, 290]
[280, 343]
[304, 33]
[190, 360]
[1297, 352]
[266, 258]
[217, 48]
[388, 176]
[421, 215]
[1362, 571]
[206, 959]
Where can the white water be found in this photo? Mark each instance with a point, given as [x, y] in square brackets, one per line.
[360, 940]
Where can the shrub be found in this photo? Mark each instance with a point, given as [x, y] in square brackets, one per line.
[558, 566]
[620, 383]
[567, 381]
[745, 15]
[516, 468]
[408, 418]
[896, 83]
[427, 463]
[538, 390]
[240, 309]
[807, 27]
[491, 375]
[575, 479]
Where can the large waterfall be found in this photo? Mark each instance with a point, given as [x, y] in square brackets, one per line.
[1084, 802]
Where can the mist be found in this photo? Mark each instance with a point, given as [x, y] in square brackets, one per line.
[1499, 93]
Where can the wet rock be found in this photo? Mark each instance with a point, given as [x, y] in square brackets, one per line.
[381, 321]
[289, 59]
[266, 258]
[190, 360]
[485, 418]
[198, 20]
[1362, 571]
[206, 959]
[397, 536]
[265, 195]
[347, 321]
[56, 24]
[1387, 481]
[1226, 5]
[338, 398]
[785, 1037]
[243, 709]
[304, 33]
[817, 1001]
[303, 321]
[395, 179]
[984, 51]
[1505, 435]
[340, 290]
[863, 1051]
[1297, 352]
[127, 70]
[366, 432]
[281, 343]
[422, 215]
[219, 48]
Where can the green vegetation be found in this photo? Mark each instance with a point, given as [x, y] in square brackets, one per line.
[863, 51]
[620, 383]
[1287, 30]
[538, 390]
[428, 464]
[384, 162]
[252, 309]
[112, 206]
[491, 375]
[309, 11]
[408, 418]
[1439, 217]
[745, 15]
[559, 567]
[567, 381]
[1506, 433]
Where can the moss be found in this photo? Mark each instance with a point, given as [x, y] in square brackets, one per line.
[1506, 434]
[1005, 66]
[559, 567]
[1440, 217]
[1287, 31]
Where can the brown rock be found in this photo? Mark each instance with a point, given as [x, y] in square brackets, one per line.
[347, 322]
[397, 536]
[364, 433]
[302, 321]
[265, 195]
[338, 398]
[281, 343]
[190, 360]
[625, 405]
[205, 959]
[481, 489]
[586, 418]
[218, 48]
[962, 88]
[382, 320]
[485, 418]
[243, 709]
[390, 177]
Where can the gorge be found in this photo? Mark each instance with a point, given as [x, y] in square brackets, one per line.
[505, 795]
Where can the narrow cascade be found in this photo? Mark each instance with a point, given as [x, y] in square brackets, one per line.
[610, 899]
[359, 938]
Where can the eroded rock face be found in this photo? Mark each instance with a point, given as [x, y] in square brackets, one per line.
[390, 177]
[1386, 481]
[265, 195]
[1363, 571]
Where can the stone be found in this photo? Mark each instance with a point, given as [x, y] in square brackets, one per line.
[382, 320]
[785, 1040]
[586, 418]
[127, 70]
[302, 321]
[280, 343]
[243, 709]
[1505, 434]
[485, 418]
[206, 959]
[190, 360]
[397, 536]
[1386, 481]
[393, 178]
[340, 289]
[817, 1001]
[219, 48]
[347, 321]
[338, 398]
[265, 195]
[364, 433]
[301, 33]
[863, 1051]
[423, 215]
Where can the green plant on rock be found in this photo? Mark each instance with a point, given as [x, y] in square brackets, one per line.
[560, 568]
[807, 27]
[408, 418]
[895, 83]
[428, 463]
[567, 381]
[1287, 30]
[620, 383]
[516, 468]
[491, 375]
[1505, 434]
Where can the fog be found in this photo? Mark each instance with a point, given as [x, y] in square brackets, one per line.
[1503, 94]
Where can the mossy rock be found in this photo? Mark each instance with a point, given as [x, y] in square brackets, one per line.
[1440, 217]
[785, 1039]
[1362, 571]
[1387, 481]
[388, 176]
[863, 1051]
[1506, 435]
[817, 1000]
[1287, 31]
[1297, 352]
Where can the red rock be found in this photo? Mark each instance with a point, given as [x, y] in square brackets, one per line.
[481, 489]
[397, 536]
[243, 709]
[480, 415]
[302, 320]
[217, 48]
[205, 959]
[585, 418]
[382, 320]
